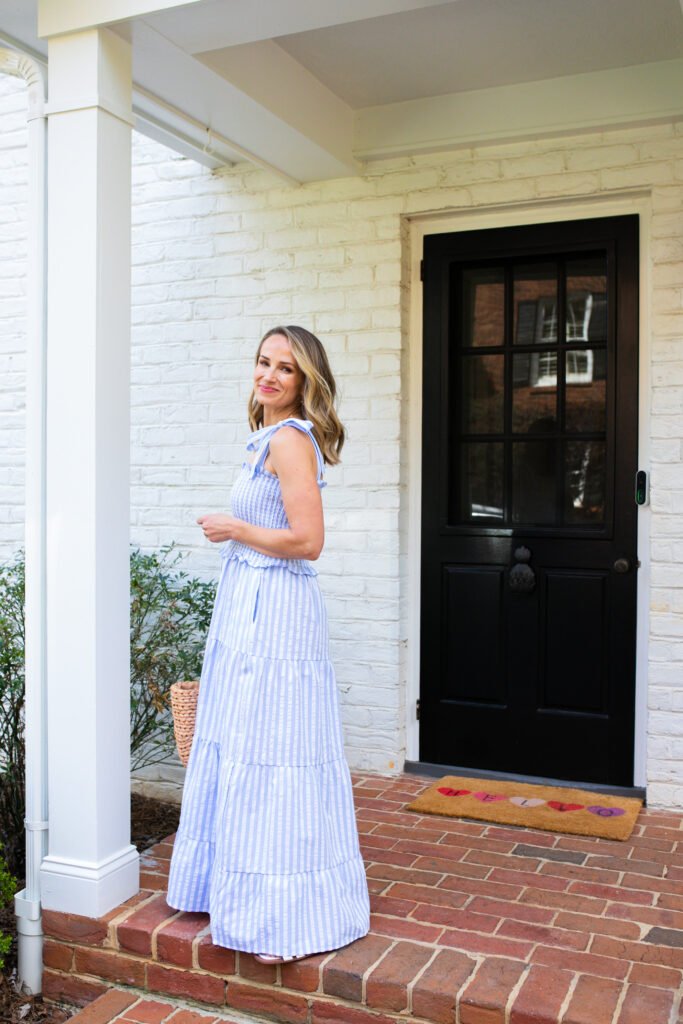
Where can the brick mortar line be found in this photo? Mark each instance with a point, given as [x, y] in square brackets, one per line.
[196, 942]
[120, 1013]
[514, 993]
[568, 998]
[155, 932]
[620, 1002]
[463, 988]
[371, 968]
[677, 1006]
[411, 985]
[113, 925]
[330, 956]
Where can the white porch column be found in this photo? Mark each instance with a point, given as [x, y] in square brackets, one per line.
[91, 865]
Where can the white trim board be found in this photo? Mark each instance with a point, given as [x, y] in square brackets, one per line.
[513, 215]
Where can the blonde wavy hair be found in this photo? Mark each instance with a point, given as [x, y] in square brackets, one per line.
[318, 396]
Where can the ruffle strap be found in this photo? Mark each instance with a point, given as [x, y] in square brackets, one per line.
[259, 440]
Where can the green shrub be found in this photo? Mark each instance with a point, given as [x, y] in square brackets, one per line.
[170, 613]
[12, 686]
[8, 887]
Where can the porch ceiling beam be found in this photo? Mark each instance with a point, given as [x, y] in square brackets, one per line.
[281, 85]
[305, 134]
[58, 16]
[590, 101]
[213, 23]
[199, 25]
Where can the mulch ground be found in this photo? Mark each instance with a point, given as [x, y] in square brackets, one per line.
[151, 821]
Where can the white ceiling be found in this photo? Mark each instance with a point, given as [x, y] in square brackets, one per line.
[476, 44]
[311, 88]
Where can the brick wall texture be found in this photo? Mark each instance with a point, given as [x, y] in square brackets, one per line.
[220, 257]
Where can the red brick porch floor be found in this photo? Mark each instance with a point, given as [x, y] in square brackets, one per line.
[471, 924]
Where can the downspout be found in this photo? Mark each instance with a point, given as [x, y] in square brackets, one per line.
[27, 902]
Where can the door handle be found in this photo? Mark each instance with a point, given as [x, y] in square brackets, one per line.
[621, 565]
[522, 578]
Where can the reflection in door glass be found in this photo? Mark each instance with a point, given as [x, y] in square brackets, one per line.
[534, 394]
[585, 393]
[483, 292]
[481, 394]
[481, 481]
[587, 300]
[534, 488]
[585, 482]
[535, 304]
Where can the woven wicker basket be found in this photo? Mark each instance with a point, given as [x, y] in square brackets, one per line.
[184, 696]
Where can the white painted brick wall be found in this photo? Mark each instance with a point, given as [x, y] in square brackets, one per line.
[13, 191]
[219, 258]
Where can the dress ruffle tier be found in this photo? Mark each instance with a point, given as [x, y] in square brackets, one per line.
[267, 842]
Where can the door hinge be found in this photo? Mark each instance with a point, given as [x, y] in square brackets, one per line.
[417, 709]
[422, 270]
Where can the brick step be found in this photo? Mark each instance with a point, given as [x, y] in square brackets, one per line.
[152, 948]
[497, 924]
[131, 1007]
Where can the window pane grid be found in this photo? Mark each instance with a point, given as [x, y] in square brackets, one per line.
[531, 408]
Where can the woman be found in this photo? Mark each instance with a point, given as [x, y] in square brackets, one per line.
[267, 841]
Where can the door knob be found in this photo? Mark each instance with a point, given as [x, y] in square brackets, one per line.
[621, 565]
[522, 577]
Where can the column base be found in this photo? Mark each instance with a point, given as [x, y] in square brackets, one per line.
[88, 888]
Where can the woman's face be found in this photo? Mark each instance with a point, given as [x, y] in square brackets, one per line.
[278, 381]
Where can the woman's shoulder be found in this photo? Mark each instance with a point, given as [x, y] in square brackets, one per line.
[290, 440]
[290, 443]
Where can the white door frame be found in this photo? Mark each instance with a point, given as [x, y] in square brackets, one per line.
[513, 215]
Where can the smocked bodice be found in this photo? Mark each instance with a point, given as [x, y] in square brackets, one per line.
[256, 497]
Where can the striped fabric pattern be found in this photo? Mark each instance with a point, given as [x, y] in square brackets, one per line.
[256, 498]
[267, 842]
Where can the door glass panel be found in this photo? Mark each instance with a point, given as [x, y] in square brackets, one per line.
[535, 304]
[534, 392]
[585, 393]
[483, 307]
[585, 482]
[587, 300]
[534, 489]
[481, 394]
[531, 463]
[481, 481]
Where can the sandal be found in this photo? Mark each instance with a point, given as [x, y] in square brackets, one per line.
[265, 958]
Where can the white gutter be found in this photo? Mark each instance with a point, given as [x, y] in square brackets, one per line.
[27, 902]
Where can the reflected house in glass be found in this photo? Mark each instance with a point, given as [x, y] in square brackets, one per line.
[563, 421]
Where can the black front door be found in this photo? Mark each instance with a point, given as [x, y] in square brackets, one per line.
[528, 514]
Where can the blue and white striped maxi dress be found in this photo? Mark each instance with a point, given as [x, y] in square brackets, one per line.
[267, 842]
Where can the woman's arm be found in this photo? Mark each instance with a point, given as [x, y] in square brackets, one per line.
[294, 460]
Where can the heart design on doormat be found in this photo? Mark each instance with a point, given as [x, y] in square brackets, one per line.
[606, 812]
[548, 808]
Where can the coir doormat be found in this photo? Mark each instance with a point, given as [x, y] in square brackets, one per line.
[551, 808]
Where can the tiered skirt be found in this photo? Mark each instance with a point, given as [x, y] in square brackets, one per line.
[267, 842]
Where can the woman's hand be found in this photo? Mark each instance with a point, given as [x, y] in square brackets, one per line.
[218, 527]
